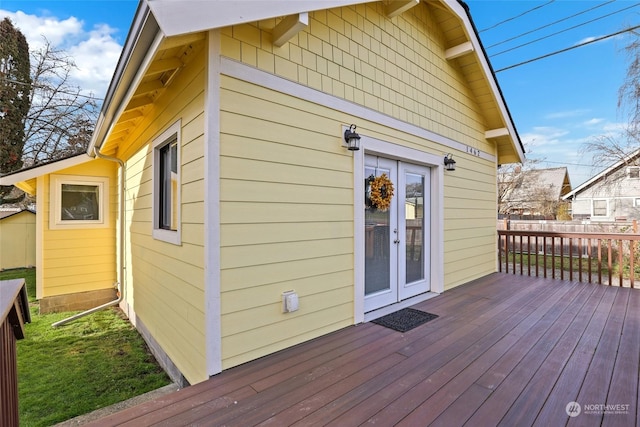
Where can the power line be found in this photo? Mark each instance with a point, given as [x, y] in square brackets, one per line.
[550, 24]
[568, 48]
[565, 30]
[517, 16]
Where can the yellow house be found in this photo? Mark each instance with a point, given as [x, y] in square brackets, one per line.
[17, 239]
[219, 195]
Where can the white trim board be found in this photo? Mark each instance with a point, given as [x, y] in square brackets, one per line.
[213, 328]
[45, 169]
[258, 77]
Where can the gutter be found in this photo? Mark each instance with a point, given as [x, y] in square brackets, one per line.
[141, 43]
[120, 284]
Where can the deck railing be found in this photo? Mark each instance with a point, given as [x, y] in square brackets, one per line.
[603, 258]
[14, 313]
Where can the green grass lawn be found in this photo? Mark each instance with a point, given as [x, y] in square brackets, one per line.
[88, 364]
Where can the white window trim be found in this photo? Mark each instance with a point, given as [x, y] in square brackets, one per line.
[55, 188]
[169, 236]
[593, 215]
[633, 168]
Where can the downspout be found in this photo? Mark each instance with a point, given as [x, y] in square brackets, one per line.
[120, 283]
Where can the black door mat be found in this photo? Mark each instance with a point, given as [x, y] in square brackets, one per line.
[404, 320]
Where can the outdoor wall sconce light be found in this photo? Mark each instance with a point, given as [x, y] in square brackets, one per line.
[352, 138]
[449, 163]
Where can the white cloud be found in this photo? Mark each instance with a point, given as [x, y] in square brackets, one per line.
[95, 51]
[567, 114]
[543, 136]
[593, 122]
[587, 40]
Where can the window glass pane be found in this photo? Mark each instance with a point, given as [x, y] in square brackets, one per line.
[377, 264]
[80, 202]
[414, 217]
[168, 186]
[599, 208]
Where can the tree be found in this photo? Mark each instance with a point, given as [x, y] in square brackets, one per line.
[15, 98]
[61, 119]
[609, 149]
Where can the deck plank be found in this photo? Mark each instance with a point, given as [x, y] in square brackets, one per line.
[623, 390]
[568, 386]
[598, 377]
[508, 377]
[505, 349]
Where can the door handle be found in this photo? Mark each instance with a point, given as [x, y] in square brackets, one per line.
[396, 241]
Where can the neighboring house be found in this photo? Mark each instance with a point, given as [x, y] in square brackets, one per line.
[17, 238]
[218, 180]
[613, 194]
[535, 193]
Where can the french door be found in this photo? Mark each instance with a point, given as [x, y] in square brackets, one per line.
[397, 238]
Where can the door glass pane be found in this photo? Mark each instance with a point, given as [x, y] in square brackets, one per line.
[414, 217]
[377, 247]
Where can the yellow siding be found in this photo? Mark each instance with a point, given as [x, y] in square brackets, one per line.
[286, 222]
[18, 240]
[286, 183]
[79, 260]
[165, 282]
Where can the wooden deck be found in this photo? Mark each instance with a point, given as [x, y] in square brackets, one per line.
[505, 350]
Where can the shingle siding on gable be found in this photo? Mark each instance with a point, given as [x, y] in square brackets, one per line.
[394, 66]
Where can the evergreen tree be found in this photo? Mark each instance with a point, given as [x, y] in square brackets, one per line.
[15, 95]
[15, 90]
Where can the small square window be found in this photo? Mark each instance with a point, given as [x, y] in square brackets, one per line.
[78, 201]
[166, 185]
[600, 208]
[636, 202]
[633, 172]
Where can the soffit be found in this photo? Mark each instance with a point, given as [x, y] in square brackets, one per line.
[172, 55]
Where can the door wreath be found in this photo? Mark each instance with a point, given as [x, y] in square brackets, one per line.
[380, 191]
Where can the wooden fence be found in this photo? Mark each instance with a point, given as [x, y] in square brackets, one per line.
[14, 313]
[604, 258]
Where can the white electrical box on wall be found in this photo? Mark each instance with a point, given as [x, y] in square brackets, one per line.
[289, 301]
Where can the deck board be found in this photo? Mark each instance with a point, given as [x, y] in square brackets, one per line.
[505, 350]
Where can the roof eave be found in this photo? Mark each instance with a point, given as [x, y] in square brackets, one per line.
[144, 31]
[465, 14]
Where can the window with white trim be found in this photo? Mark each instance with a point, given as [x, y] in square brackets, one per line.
[599, 208]
[78, 201]
[166, 185]
[633, 172]
[636, 202]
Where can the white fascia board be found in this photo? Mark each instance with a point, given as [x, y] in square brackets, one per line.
[188, 16]
[44, 169]
[459, 10]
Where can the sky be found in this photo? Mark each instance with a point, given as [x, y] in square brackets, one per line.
[557, 103]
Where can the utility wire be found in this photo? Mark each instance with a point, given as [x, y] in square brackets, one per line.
[568, 48]
[550, 24]
[565, 30]
[517, 16]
